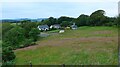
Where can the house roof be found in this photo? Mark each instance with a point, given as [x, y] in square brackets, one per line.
[56, 25]
[43, 26]
[74, 26]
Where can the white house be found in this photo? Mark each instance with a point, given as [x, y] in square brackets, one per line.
[43, 27]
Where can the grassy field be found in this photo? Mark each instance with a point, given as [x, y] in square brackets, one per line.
[86, 45]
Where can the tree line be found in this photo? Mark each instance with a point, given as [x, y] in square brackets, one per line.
[97, 18]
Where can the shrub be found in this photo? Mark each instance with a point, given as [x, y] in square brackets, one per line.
[27, 42]
[8, 64]
[33, 34]
[7, 54]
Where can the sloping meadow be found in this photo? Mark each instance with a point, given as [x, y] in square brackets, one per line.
[86, 45]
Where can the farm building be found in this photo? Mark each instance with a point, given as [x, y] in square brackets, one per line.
[74, 26]
[43, 27]
[57, 26]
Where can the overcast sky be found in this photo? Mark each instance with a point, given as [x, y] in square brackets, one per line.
[45, 8]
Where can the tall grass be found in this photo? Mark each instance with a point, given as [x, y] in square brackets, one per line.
[86, 45]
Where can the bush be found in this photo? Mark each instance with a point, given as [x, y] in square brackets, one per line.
[33, 34]
[7, 54]
[27, 42]
[8, 64]
[8, 57]
[14, 37]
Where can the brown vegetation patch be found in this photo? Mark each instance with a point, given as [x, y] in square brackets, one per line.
[67, 41]
[102, 32]
[93, 39]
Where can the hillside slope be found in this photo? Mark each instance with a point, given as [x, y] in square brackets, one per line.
[86, 45]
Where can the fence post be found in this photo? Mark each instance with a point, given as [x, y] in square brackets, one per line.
[30, 64]
[63, 65]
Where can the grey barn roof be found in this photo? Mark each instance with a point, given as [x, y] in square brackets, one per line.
[58, 25]
[43, 26]
[74, 26]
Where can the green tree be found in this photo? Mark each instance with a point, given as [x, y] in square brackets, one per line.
[34, 33]
[49, 21]
[111, 21]
[7, 54]
[24, 22]
[27, 25]
[6, 27]
[52, 20]
[64, 18]
[14, 37]
[98, 18]
[82, 20]
[65, 24]
[46, 22]
[8, 57]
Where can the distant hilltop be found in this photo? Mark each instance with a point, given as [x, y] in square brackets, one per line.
[21, 19]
